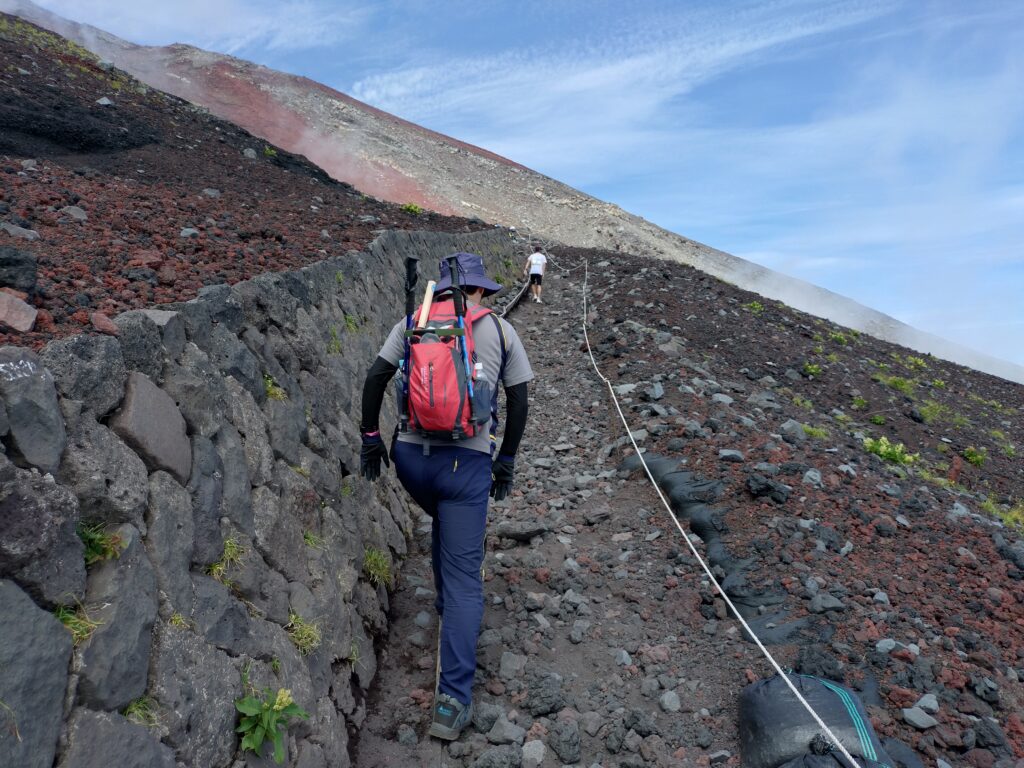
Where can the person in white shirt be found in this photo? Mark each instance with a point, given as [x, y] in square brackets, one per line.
[536, 262]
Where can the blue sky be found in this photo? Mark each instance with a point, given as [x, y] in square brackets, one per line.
[873, 148]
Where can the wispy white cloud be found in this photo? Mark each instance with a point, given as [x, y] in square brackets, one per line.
[228, 26]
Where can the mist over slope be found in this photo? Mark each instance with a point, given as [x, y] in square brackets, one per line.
[396, 160]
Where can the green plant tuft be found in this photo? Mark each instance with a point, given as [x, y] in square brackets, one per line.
[859, 404]
[754, 307]
[305, 635]
[269, 151]
[839, 338]
[931, 411]
[312, 540]
[811, 369]
[334, 345]
[266, 720]
[938, 383]
[179, 621]
[975, 456]
[142, 712]
[78, 622]
[411, 208]
[878, 419]
[803, 402]
[99, 545]
[819, 433]
[274, 392]
[900, 384]
[231, 555]
[351, 323]
[377, 567]
[891, 452]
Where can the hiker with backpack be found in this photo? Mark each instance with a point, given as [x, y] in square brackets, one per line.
[451, 354]
[536, 262]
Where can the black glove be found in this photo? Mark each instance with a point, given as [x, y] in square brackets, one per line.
[372, 452]
[502, 470]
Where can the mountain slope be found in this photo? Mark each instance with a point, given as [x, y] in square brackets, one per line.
[401, 162]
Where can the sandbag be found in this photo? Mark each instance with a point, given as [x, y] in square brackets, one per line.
[776, 729]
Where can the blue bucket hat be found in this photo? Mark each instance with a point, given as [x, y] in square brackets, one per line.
[471, 272]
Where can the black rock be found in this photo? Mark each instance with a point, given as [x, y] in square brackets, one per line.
[17, 269]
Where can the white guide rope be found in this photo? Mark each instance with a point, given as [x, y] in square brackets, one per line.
[821, 723]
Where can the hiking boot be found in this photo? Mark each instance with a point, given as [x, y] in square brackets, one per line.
[450, 717]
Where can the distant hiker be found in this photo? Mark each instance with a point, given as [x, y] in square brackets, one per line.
[536, 263]
[444, 451]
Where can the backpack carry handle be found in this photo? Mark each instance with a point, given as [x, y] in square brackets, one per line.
[457, 297]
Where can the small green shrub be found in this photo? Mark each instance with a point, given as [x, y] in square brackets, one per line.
[803, 402]
[274, 392]
[231, 555]
[312, 540]
[339, 277]
[892, 452]
[334, 345]
[839, 338]
[275, 665]
[931, 411]
[412, 208]
[346, 489]
[754, 307]
[938, 383]
[878, 419]
[266, 720]
[269, 151]
[305, 635]
[916, 363]
[859, 404]
[1009, 451]
[179, 621]
[900, 384]
[811, 369]
[142, 712]
[99, 545]
[975, 456]
[1014, 516]
[351, 323]
[377, 567]
[832, 357]
[78, 622]
[819, 433]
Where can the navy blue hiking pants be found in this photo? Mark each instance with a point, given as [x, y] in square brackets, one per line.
[452, 485]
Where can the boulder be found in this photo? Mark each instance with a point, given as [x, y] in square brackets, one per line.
[88, 368]
[32, 412]
[196, 686]
[34, 653]
[170, 538]
[141, 343]
[104, 739]
[17, 269]
[115, 659]
[17, 314]
[206, 486]
[151, 424]
[108, 478]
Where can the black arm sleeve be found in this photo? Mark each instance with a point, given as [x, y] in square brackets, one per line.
[517, 407]
[376, 384]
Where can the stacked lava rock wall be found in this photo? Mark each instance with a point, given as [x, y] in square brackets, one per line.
[217, 441]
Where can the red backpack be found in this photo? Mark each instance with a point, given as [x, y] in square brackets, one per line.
[447, 398]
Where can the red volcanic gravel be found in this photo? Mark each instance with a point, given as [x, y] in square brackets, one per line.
[171, 202]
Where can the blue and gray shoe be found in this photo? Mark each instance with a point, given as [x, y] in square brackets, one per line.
[450, 717]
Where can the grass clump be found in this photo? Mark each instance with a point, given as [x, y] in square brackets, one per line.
[819, 433]
[305, 635]
[975, 456]
[99, 545]
[916, 363]
[754, 307]
[273, 390]
[895, 453]
[900, 384]
[1013, 516]
[377, 567]
[938, 383]
[811, 369]
[78, 622]
[412, 209]
[859, 403]
[179, 621]
[266, 719]
[932, 411]
[142, 712]
[299, 470]
[839, 338]
[269, 151]
[334, 345]
[803, 402]
[312, 540]
[878, 419]
[351, 323]
[232, 555]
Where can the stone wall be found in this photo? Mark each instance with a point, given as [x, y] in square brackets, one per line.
[215, 444]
